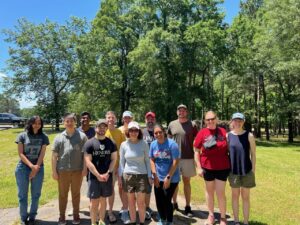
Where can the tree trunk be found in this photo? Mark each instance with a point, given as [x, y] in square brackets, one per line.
[262, 85]
[290, 127]
[56, 111]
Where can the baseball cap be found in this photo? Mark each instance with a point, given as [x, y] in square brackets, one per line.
[101, 121]
[238, 115]
[127, 113]
[181, 106]
[133, 124]
[152, 114]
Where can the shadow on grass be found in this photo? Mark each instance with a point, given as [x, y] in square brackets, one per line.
[276, 143]
[43, 222]
[257, 223]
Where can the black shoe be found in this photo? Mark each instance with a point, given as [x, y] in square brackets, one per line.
[31, 222]
[188, 211]
[175, 206]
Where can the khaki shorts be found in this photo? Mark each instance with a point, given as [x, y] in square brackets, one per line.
[134, 183]
[246, 181]
[187, 167]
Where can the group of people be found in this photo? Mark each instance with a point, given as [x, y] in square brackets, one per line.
[138, 159]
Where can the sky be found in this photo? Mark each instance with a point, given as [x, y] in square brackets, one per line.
[37, 11]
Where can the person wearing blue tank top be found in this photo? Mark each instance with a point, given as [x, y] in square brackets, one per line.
[242, 151]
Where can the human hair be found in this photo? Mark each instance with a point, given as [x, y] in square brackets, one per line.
[69, 115]
[30, 122]
[85, 113]
[157, 125]
[110, 112]
[139, 137]
[210, 111]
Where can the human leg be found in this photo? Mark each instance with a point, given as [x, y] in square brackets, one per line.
[131, 205]
[141, 206]
[36, 188]
[235, 195]
[76, 182]
[102, 208]
[220, 192]
[160, 201]
[94, 205]
[209, 195]
[22, 179]
[245, 193]
[168, 204]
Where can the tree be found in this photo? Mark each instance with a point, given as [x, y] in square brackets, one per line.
[9, 104]
[277, 41]
[43, 61]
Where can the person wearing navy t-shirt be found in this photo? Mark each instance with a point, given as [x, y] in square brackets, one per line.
[100, 157]
[164, 155]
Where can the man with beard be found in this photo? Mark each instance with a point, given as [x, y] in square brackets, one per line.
[148, 136]
[85, 125]
[100, 157]
[183, 132]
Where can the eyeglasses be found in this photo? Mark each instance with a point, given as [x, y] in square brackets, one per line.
[210, 119]
[158, 132]
[133, 130]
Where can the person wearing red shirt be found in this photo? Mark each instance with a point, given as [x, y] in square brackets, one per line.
[212, 159]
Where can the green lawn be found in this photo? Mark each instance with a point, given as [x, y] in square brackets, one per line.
[275, 200]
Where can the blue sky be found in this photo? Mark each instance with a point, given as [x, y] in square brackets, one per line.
[37, 11]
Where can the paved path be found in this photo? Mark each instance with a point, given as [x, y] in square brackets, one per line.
[48, 213]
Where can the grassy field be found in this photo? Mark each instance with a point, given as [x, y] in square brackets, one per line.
[274, 201]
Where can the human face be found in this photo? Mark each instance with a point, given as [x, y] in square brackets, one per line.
[111, 119]
[85, 120]
[211, 120]
[36, 125]
[133, 134]
[182, 113]
[237, 124]
[127, 120]
[150, 121]
[159, 134]
[69, 123]
[101, 129]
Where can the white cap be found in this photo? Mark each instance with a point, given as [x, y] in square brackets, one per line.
[133, 124]
[127, 113]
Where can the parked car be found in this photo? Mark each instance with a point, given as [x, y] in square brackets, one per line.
[11, 119]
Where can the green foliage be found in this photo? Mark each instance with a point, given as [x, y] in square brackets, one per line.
[9, 104]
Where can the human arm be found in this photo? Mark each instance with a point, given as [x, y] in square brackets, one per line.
[39, 162]
[54, 164]
[91, 167]
[167, 179]
[252, 151]
[112, 164]
[153, 171]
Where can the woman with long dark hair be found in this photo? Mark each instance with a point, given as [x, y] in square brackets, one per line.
[164, 155]
[30, 169]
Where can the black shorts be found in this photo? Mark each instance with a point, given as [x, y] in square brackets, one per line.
[97, 189]
[210, 175]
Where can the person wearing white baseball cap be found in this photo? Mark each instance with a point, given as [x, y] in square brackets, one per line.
[135, 170]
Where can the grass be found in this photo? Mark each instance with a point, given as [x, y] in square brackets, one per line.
[274, 201]
[8, 161]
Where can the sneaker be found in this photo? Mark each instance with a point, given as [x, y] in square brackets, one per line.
[31, 222]
[188, 211]
[76, 219]
[161, 222]
[111, 217]
[23, 222]
[125, 217]
[147, 216]
[175, 206]
[101, 222]
[62, 221]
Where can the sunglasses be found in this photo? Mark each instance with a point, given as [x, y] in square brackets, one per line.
[133, 130]
[211, 119]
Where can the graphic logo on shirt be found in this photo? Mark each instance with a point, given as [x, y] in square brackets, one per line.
[102, 147]
[162, 154]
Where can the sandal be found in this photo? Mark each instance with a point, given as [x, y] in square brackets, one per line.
[111, 217]
[223, 221]
[210, 220]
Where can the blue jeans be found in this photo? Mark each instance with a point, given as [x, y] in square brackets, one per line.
[22, 177]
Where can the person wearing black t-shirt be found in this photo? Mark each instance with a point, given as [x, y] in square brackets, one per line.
[100, 158]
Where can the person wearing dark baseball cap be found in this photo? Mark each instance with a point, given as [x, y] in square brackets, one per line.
[148, 136]
[100, 157]
[183, 132]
